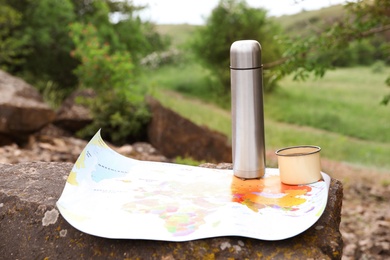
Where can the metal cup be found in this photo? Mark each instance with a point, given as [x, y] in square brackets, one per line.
[299, 164]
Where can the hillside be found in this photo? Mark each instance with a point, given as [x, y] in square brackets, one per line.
[310, 20]
[293, 24]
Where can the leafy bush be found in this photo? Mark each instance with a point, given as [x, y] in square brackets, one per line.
[230, 21]
[11, 47]
[378, 67]
[120, 119]
[119, 107]
[35, 41]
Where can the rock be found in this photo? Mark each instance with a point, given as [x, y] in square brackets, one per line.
[142, 151]
[6, 140]
[43, 147]
[32, 228]
[73, 115]
[53, 144]
[175, 136]
[22, 110]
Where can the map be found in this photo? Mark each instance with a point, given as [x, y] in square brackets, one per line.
[113, 196]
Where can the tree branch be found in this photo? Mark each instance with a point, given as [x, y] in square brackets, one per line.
[358, 35]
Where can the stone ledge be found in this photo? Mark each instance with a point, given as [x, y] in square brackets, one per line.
[32, 228]
[174, 135]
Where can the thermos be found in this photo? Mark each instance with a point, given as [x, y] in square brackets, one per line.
[248, 147]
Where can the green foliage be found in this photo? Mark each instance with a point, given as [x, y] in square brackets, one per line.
[129, 33]
[378, 67]
[11, 47]
[51, 92]
[37, 43]
[97, 13]
[121, 119]
[36, 37]
[119, 107]
[386, 98]
[356, 49]
[45, 23]
[143, 38]
[188, 161]
[45, 53]
[99, 69]
[230, 21]
[344, 42]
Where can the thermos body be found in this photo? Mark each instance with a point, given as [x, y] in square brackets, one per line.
[248, 146]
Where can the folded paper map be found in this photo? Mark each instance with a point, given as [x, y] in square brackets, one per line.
[112, 196]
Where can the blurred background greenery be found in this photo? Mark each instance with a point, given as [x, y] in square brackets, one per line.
[326, 72]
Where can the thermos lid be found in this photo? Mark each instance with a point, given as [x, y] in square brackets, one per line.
[245, 54]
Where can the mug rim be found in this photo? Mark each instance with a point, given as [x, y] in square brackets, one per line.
[317, 150]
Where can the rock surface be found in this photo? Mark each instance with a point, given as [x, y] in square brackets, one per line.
[365, 222]
[32, 228]
[174, 136]
[72, 114]
[22, 110]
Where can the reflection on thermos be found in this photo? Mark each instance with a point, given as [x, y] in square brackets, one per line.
[247, 109]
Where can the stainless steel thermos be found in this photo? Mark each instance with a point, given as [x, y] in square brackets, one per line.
[248, 147]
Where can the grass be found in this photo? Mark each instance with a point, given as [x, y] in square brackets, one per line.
[340, 113]
[346, 101]
[190, 79]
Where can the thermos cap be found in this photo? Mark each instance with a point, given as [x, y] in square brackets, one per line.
[245, 54]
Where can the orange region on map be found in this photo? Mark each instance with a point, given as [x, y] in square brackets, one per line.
[269, 191]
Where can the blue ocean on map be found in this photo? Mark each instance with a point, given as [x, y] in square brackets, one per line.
[109, 166]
